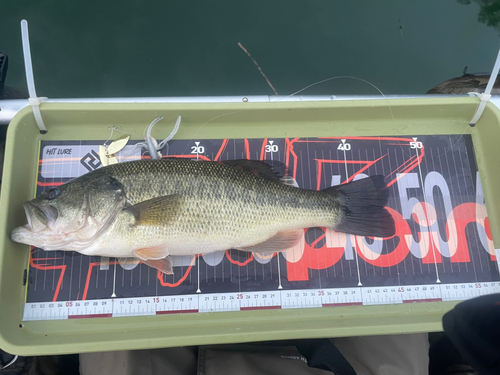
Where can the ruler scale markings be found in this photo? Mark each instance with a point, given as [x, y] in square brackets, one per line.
[298, 298]
[426, 213]
[140, 272]
[71, 277]
[149, 270]
[478, 244]
[398, 225]
[80, 275]
[198, 271]
[318, 268]
[352, 237]
[450, 197]
[36, 269]
[45, 279]
[401, 210]
[325, 187]
[114, 280]
[442, 258]
[437, 234]
[106, 276]
[383, 174]
[54, 277]
[331, 184]
[497, 251]
[464, 200]
[347, 237]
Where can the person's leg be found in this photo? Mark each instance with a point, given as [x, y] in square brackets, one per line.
[172, 361]
[386, 355]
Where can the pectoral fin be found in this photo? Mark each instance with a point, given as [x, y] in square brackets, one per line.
[156, 211]
[164, 265]
[279, 242]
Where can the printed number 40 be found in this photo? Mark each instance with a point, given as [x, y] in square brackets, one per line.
[344, 147]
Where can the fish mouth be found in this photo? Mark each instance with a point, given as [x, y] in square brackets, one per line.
[38, 231]
[21, 235]
[44, 232]
[39, 217]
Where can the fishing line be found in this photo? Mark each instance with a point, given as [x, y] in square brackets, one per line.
[147, 131]
[113, 128]
[467, 126]
[390, 109]
[450, 148]
[339, 77]
[212, 119]
[149, 142]
[295, 93]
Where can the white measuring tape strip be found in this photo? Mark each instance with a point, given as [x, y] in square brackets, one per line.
[34, 100]
[486, 95]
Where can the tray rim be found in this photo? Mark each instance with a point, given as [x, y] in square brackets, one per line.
[42, 337]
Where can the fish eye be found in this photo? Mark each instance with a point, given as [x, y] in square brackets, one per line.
[53, 193]
[114, 185]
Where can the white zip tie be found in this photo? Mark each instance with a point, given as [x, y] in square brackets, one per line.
[486, 95]
[10, 363]
[151, 143]
[33, 100]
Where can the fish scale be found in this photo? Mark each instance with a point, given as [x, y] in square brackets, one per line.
[211, 186]
[222, 206]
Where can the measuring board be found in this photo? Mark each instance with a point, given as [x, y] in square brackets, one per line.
[442, 251]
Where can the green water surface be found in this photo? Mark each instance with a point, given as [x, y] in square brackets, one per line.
[177, 48]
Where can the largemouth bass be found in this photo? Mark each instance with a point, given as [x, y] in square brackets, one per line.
[151, 209]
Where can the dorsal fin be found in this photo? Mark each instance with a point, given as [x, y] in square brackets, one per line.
[271, 170]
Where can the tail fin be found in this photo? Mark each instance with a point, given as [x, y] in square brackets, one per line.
[362, 206]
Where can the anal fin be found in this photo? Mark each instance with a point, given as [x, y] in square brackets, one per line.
[279, 242]
[164, 265]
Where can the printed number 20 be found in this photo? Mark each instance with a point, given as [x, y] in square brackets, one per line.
[197, 149]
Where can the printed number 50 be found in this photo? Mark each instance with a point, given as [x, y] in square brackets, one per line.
[416, 144]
